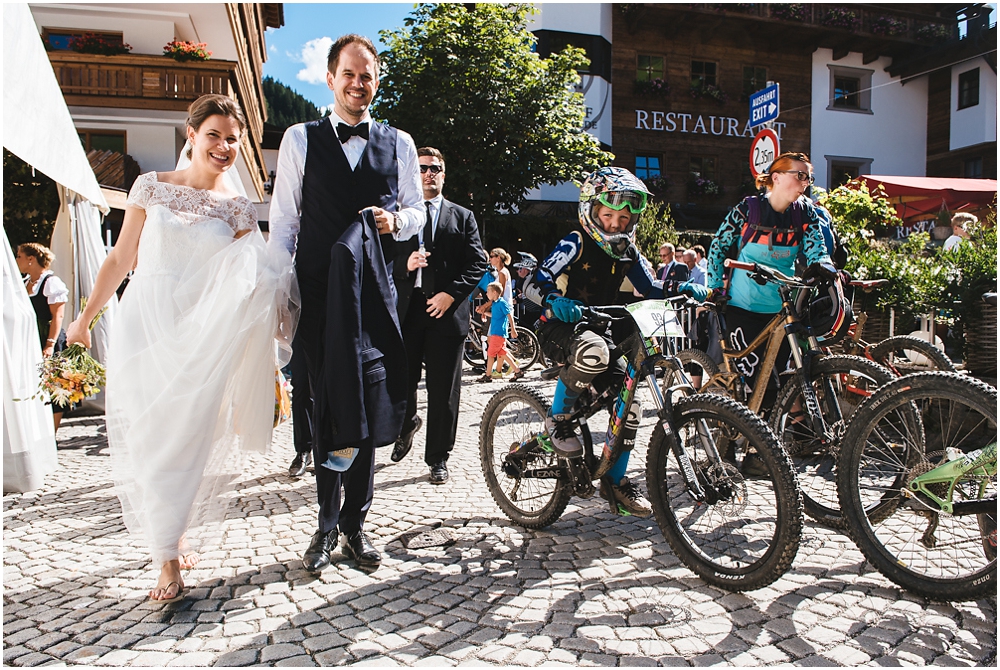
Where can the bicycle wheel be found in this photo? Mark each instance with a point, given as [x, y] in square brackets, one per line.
[851, 379]
[512, 417]
[698, 366]
[746, 532]
[525, 349]
[473, 352]
[932, 553]
[905, 354]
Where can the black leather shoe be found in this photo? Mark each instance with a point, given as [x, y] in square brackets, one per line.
[299, 464]
[439, 473]
[405, 441]
[317, 556]
[360, 548]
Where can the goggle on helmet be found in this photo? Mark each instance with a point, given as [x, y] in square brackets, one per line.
[617, 189]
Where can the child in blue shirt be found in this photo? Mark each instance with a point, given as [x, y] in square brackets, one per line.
[496, 347]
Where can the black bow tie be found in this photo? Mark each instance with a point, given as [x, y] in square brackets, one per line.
[346, 132]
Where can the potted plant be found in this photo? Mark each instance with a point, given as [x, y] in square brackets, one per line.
[657, 183]
[887, 26]
[790, 12]
[187, 51]
[702, 90]
[652, 88]
[90, 43]
[700, 186]
[933, 32]
[841, 17]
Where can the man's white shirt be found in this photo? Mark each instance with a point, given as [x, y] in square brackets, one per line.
[286, 199]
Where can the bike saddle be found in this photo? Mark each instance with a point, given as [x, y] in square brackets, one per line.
[549, 374]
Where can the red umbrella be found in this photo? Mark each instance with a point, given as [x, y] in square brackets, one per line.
[916, 197]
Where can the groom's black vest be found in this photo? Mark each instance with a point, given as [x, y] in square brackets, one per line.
[332, 193]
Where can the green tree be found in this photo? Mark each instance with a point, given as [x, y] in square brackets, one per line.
[467, 82]
[286, 107]
[30, 203]
[656, 226]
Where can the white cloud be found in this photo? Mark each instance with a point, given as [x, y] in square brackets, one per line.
[313, 56]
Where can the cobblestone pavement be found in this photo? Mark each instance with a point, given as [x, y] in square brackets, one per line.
[592, 589]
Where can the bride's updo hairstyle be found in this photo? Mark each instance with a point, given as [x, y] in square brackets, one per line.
[210, 105]
[781, 163]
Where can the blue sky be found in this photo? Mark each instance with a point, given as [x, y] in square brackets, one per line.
[297, 51]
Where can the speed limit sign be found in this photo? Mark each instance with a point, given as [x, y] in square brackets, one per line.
[763, 151]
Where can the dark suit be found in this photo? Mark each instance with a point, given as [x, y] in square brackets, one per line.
[673, 271]
[457, 263]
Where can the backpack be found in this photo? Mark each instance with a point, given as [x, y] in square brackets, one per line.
[753, 231]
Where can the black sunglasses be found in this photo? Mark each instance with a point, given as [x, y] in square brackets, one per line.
[435, 169]
[800, 175]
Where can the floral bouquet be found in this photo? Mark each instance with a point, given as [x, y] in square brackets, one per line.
[185, 51]
[71, 375]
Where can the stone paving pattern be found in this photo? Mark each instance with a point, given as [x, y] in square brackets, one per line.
[590, 590]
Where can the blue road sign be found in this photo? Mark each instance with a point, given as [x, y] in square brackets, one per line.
[764, 105]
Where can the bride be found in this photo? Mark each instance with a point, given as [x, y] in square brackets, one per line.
[191, 359]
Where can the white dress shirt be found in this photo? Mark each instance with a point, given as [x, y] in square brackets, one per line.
[286, 199]
[436, 205]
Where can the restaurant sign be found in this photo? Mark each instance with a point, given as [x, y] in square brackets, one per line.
[676, 122]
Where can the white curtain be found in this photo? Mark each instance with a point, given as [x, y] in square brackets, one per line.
[29, 444]
[90, 254]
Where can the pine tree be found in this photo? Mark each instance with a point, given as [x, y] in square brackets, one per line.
[286, 107]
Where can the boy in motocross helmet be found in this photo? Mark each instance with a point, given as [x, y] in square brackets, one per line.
[593, 262]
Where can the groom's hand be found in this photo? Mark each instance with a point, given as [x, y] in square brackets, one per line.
[386, 222]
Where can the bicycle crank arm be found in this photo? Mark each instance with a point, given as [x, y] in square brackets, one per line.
[553, 472]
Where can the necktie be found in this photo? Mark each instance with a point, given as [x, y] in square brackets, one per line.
[428, 278]
[346, 132]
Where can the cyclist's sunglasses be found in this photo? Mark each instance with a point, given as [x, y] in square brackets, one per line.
[619, 200]
[435, 169]
[800, 175]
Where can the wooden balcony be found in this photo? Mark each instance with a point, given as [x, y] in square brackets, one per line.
[139, 82]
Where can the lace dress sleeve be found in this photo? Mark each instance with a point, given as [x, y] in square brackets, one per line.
[142, 190]
[245, 216]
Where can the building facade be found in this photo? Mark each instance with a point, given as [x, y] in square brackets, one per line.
[130, 108]
[864, 89]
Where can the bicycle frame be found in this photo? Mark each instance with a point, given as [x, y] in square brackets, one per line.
[979, 463]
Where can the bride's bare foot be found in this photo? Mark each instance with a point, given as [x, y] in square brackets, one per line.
[170, 585]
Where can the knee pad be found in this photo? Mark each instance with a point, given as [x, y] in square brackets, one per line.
[588, 357]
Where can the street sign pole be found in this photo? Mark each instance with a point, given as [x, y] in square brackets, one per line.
[765, 107]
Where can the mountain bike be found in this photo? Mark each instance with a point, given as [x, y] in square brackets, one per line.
[917, 479]
[901, 354]
[737, 531]
[812, 408]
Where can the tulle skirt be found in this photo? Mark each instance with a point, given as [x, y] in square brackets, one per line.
[190, 392]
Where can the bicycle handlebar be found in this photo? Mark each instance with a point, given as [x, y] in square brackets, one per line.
[759, 271]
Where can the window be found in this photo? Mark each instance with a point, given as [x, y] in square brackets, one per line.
[850, 89]
[702, 166]
[649, 68]
[703, 73]
[842, 169]
[754, 79]
[968, 89]
[647, 166]
[973, 168]
[58, 39]
[103, 140]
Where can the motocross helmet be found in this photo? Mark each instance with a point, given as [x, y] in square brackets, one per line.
[616, 188]
[527, 261]
[825, 311]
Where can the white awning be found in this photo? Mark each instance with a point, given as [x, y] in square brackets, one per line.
[37, 126]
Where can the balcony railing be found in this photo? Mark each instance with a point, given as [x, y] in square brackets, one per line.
[151, 82]
[880, 22]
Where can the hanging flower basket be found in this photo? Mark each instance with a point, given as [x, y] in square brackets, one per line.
[652, 88]
[658, 183]
[89, 43]
[700, 186]
[187, 51]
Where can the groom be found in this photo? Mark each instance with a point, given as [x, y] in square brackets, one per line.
[327, 172]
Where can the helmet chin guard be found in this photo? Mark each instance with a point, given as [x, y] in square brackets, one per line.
[617, 189]
[825, 311]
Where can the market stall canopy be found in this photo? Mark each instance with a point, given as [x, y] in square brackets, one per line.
[37, 126]
[917, 197]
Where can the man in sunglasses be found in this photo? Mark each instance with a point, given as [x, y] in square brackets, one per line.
[435, 272]
[594, 261]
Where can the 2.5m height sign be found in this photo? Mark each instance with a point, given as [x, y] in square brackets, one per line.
[764, 105]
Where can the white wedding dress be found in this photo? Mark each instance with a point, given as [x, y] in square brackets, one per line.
[191, 361]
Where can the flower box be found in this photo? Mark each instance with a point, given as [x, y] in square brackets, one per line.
[790, 12]
[89, 43]
[841, 17]
[187, 51]
[887, 26]
[652, 88]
